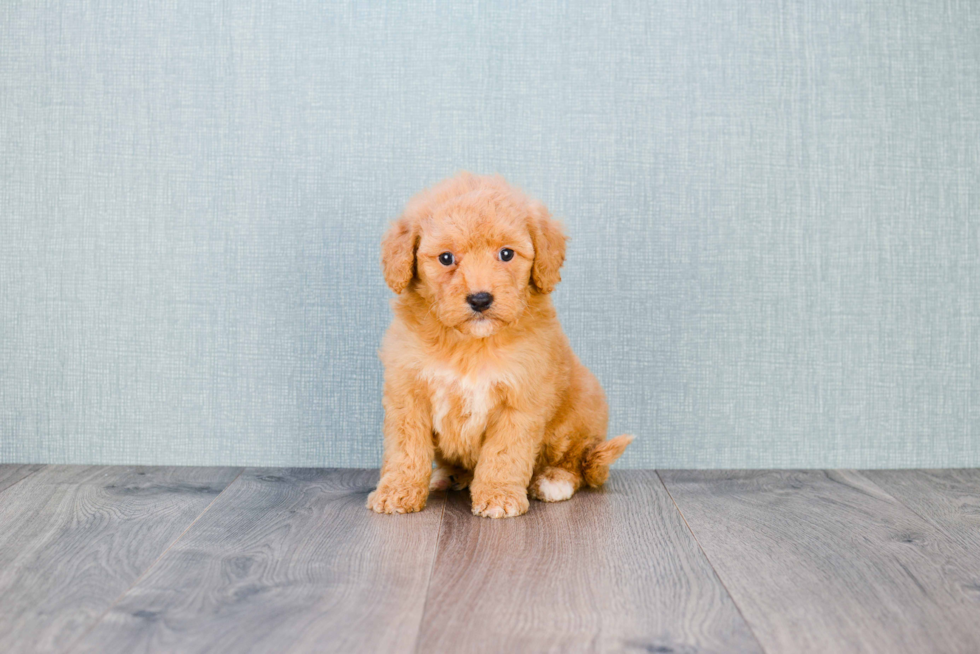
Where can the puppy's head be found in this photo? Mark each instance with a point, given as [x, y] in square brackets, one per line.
[474, 249]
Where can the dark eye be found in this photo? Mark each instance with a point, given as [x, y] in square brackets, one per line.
[446, 258]
[506, 254]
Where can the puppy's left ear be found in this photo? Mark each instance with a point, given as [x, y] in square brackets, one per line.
[398, 252]
[549, 248]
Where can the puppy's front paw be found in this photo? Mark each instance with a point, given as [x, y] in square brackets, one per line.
[500, 503]
[397, 499]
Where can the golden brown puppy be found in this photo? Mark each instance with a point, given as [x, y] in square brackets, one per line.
[479, 376]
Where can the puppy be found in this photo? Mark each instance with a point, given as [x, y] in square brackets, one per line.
[479, 376]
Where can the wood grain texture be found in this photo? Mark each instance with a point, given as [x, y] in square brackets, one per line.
[11, 473]
[829, 562]
[75, 538]
[285, 561]
[947, 499]
[608, 571]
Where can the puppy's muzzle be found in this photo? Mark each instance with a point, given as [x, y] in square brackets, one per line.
[479, 302]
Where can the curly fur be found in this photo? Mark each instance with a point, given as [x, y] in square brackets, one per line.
[497, 399]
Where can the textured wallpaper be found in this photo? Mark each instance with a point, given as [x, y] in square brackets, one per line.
[774, 210]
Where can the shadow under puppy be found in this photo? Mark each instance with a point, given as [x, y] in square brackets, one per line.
[479, 376]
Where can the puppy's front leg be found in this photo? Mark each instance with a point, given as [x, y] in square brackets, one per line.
[408, 452]
[503, 471]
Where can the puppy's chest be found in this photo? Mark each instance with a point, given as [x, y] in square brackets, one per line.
[462, 404]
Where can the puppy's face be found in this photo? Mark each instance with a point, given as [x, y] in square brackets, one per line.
[474, 265]
[474, 250]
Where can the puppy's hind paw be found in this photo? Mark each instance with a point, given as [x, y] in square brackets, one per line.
[450, 478]
[441, 480]
[461, 479]
[553, 485]
[553, 491]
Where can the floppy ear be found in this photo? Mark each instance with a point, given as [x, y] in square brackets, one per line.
[549, 248]
[398, 253]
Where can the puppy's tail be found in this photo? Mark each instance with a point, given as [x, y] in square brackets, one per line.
[598, 458]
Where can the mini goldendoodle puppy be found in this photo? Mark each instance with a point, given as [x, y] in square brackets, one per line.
[479, 376]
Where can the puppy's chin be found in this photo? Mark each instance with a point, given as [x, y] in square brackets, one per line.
[479, 327]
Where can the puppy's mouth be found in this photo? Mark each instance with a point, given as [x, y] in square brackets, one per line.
[485, 317]
[481, 325]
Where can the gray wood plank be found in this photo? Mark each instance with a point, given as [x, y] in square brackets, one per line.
[608, 571]
[947, 499]
[828, 561]
[11, 473]
[285, 561]
[74, 538]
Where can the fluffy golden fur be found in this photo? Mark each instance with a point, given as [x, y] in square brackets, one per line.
[495, 397]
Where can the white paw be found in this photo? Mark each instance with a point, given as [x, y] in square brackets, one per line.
[554, 491]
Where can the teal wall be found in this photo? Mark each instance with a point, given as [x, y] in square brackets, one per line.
[774, 211]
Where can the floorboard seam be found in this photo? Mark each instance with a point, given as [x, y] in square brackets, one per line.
[143, 574]
[432, 567]
[28, 475]
[748, 625]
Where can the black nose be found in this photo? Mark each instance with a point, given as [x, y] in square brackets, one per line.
[479, 301]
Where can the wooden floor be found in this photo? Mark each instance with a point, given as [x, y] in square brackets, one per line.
[113, 559]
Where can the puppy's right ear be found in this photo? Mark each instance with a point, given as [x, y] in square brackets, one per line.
[398, 253]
